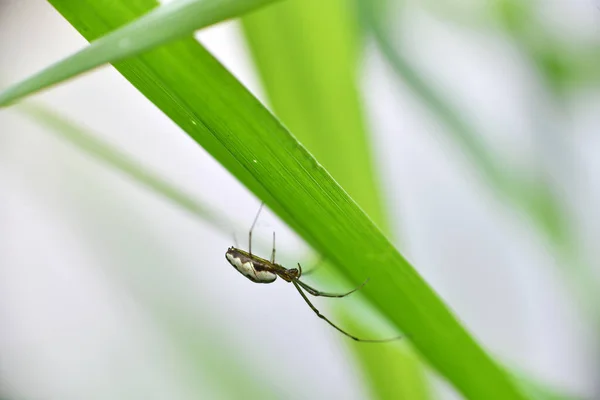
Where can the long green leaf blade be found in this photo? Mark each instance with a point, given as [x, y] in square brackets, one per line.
[118, 160]
[194, 90]
[160, 25]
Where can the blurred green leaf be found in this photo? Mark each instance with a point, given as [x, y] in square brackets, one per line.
[401, 374]
[535, 391]
[563, 61]
[462, 132]
[161, 25]
[308, 55]
[113, 157]
[194, 90]
[535, 196]
[136, 257]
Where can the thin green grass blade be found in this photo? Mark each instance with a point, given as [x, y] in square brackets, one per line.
[113, 157]
[158, 26]
[205, 100]
[307, 53]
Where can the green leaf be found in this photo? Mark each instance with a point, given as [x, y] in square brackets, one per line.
[116, 159]
[206, 101]
[161, 25]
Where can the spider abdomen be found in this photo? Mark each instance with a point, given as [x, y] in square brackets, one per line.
[251, 269]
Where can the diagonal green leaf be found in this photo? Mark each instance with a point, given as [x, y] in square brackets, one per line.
[194, 90]
[113, 157]
[158, 26]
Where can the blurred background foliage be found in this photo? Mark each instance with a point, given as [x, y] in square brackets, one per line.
[513, 115]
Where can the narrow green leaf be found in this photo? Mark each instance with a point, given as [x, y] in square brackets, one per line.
[120, 161]
[205, 100]
[158, 26]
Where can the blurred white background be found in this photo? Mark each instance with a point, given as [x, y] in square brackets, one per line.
[104, 287]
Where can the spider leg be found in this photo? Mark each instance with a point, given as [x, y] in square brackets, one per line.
[252, 228]
[273, 253]
[295, 282]
[316, 292]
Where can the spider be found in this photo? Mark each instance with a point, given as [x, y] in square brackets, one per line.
[260, 270]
